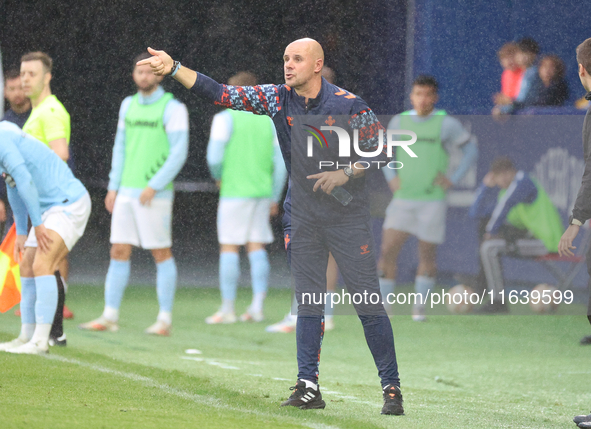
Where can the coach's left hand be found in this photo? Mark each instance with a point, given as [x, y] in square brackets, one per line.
[147, 196]
[328, 180]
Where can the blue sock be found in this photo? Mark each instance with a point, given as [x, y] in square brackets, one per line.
[387, 287]
[328, 308]
[116, 282]
[46, 302]
[424, 285]
[166, 284]
[229, 275]
[259, 270]
[28, 298]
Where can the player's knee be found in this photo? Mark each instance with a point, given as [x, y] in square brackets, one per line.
[253, 247]
[161, 255]
[488, 248]
[26, 264]
[120, 252]
[43, 267]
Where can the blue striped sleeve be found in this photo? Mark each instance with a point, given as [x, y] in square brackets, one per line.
[470, 155]
[176, 123]
[221, 132]
[118, 158]
[24, 198]
[279, 170]
[19, 210]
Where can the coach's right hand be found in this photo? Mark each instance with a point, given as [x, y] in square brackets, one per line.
[110, 200]
[160, 62]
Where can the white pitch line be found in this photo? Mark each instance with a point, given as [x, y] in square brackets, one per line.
[328, 392]
[221, 365]
[209, 362]
[196, 359]
[200, 399]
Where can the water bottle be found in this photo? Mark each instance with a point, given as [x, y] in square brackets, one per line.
[341, 195]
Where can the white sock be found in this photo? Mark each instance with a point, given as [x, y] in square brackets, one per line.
[256, 305]
[165, 316]
[27, 331]
[227, 306]
[310, 384]
[41, 335]
[327, 317]
[111, 314]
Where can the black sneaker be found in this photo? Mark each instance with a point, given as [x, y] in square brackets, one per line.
[581, 419]
[495, 308]
[305, 397]
[585, 341]
[392, 401]
[584, 425]
[58, 341]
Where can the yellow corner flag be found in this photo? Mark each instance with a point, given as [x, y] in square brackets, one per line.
[10, 278]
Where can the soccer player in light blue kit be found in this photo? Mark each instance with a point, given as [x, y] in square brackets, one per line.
[150, 149]
[40, 187]
[244, 157]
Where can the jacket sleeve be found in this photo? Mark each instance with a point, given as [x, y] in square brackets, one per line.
[259, 99]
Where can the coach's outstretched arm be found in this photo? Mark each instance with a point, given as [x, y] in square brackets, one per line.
[258, 99]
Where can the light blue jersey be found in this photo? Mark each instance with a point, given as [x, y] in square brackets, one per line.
[37, 179]
[176, 124]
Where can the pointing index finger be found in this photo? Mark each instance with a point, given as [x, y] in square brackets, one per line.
[144, 62]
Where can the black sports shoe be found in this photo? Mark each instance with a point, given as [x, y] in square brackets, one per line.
[581, 419]
[585, 341]
[305, 397]
[392, 401]
[58, 341]
[495, 308]
[584, 425]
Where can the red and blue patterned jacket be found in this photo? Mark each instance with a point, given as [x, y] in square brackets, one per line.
[333, 106]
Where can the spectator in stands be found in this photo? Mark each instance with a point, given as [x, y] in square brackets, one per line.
[531, 84]
[554, 91]
[512, 74]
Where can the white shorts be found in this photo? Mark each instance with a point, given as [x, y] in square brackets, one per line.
[423, 219]
[244, 220]
[68, 221]
[149, 227]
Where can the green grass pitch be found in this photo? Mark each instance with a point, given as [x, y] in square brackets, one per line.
[518, 371]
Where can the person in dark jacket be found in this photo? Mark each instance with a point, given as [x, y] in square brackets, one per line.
[582, 208]
[317, 221]
[554, 90]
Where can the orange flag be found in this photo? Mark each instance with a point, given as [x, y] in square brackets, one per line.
[10, 278]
